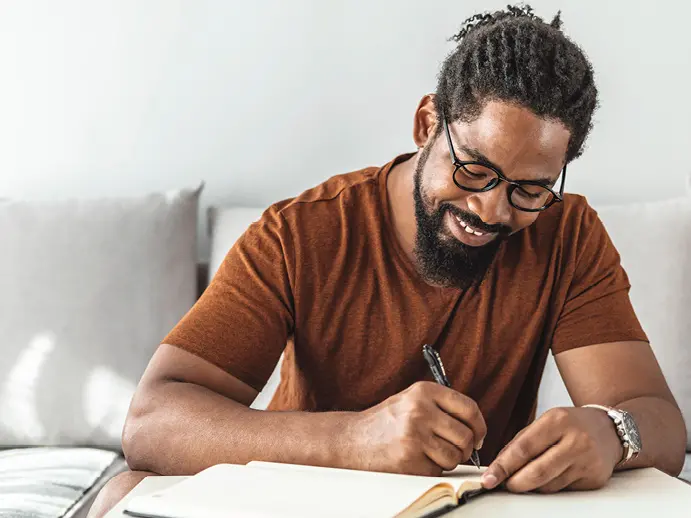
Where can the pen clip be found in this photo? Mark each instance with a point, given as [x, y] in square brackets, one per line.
[435, 364]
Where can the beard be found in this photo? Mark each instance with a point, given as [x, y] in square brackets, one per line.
[441, 259]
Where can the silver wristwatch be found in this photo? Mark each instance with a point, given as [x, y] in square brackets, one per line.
[626, 430]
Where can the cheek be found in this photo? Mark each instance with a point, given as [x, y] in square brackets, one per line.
[439, 188]
[522, 220]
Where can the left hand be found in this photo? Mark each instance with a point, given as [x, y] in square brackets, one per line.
[574, 448]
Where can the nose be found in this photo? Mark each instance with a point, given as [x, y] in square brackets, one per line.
[492, 206]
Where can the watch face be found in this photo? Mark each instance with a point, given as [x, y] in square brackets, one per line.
[632, 431]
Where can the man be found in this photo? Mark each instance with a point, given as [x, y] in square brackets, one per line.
[468, 245]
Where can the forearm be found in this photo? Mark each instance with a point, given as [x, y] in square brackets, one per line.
[183, 428]
[663, 433]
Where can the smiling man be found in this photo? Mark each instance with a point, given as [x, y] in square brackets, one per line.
[469, 245]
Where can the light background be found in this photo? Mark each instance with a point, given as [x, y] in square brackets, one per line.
[264, 99]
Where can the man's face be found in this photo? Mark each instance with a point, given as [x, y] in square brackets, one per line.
[514, 140]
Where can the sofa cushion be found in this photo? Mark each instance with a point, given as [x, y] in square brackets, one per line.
[654, 241]
[59, 482]
[226, 225]
[87, 291]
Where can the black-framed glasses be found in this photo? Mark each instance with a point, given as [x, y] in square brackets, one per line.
[477, 176]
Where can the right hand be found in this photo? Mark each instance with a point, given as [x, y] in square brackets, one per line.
[423, 430]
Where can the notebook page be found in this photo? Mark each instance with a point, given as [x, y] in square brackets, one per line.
[232, 490]
[456, 478]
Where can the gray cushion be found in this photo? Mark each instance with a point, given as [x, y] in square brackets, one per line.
[87, 291]
[654, 240]
[53, 482]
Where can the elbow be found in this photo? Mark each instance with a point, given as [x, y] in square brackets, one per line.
[681, 456]
[673, 462]
[131, 445]
[138, 434]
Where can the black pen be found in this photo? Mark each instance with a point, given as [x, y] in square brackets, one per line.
[437, 368]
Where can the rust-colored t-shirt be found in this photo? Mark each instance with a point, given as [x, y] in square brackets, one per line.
[323, 276]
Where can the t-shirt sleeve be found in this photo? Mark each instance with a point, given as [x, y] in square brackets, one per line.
[597, 308]
[242, 321]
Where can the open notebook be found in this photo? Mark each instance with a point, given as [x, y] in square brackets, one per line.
[264, 489]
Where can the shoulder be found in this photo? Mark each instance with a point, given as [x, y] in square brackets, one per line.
[568, 219]
[344, 197]
[348, 186]
[560, 235]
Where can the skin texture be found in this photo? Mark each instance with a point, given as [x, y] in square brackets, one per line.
[188, 414]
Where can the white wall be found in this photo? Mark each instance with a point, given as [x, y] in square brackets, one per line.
[262, 99]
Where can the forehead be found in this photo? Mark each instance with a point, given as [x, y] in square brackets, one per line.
[515, 139]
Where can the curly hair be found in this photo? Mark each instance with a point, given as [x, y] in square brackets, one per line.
[514, 56]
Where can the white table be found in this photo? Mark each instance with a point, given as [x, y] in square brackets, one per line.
[645, 492]
[146, 486]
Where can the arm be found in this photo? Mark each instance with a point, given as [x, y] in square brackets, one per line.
[578, 448]
[626, 375]
[188, 414]
[604, 358]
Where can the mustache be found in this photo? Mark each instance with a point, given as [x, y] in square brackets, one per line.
[474, 220]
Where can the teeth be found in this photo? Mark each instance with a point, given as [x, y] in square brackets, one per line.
[468, 228]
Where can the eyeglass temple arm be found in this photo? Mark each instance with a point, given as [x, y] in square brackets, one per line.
[563, 183]
[448, 137]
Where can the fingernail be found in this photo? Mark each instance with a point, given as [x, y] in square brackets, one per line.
[489, 481]
[479, 445]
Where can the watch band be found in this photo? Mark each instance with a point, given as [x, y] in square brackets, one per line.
[616, 417]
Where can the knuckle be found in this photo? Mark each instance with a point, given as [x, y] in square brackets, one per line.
[455, 458]
[558, 416]
[419, 388]
[450, 456]
[500, 469]
[521, 451]
[473, 409]
[538, 474]
[466, 438]
[581, 441]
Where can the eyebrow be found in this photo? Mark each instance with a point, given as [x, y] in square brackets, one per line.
[478, 156]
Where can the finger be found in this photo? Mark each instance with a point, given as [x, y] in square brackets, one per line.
[516, 437]
[542, 470]
[588, 482]
[456, 433]
[561, 482]
[536, 439]
[464, 409]
[442, 453]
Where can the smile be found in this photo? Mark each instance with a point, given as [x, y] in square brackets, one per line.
[468, 228]
[466, 234]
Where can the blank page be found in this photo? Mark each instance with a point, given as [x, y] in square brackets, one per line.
[455, 478]
[257, 492]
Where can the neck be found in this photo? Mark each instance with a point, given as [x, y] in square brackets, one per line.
[399, 188]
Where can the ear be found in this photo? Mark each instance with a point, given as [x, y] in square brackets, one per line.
[425, 122]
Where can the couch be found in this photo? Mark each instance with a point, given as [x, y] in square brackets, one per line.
[89, 288]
